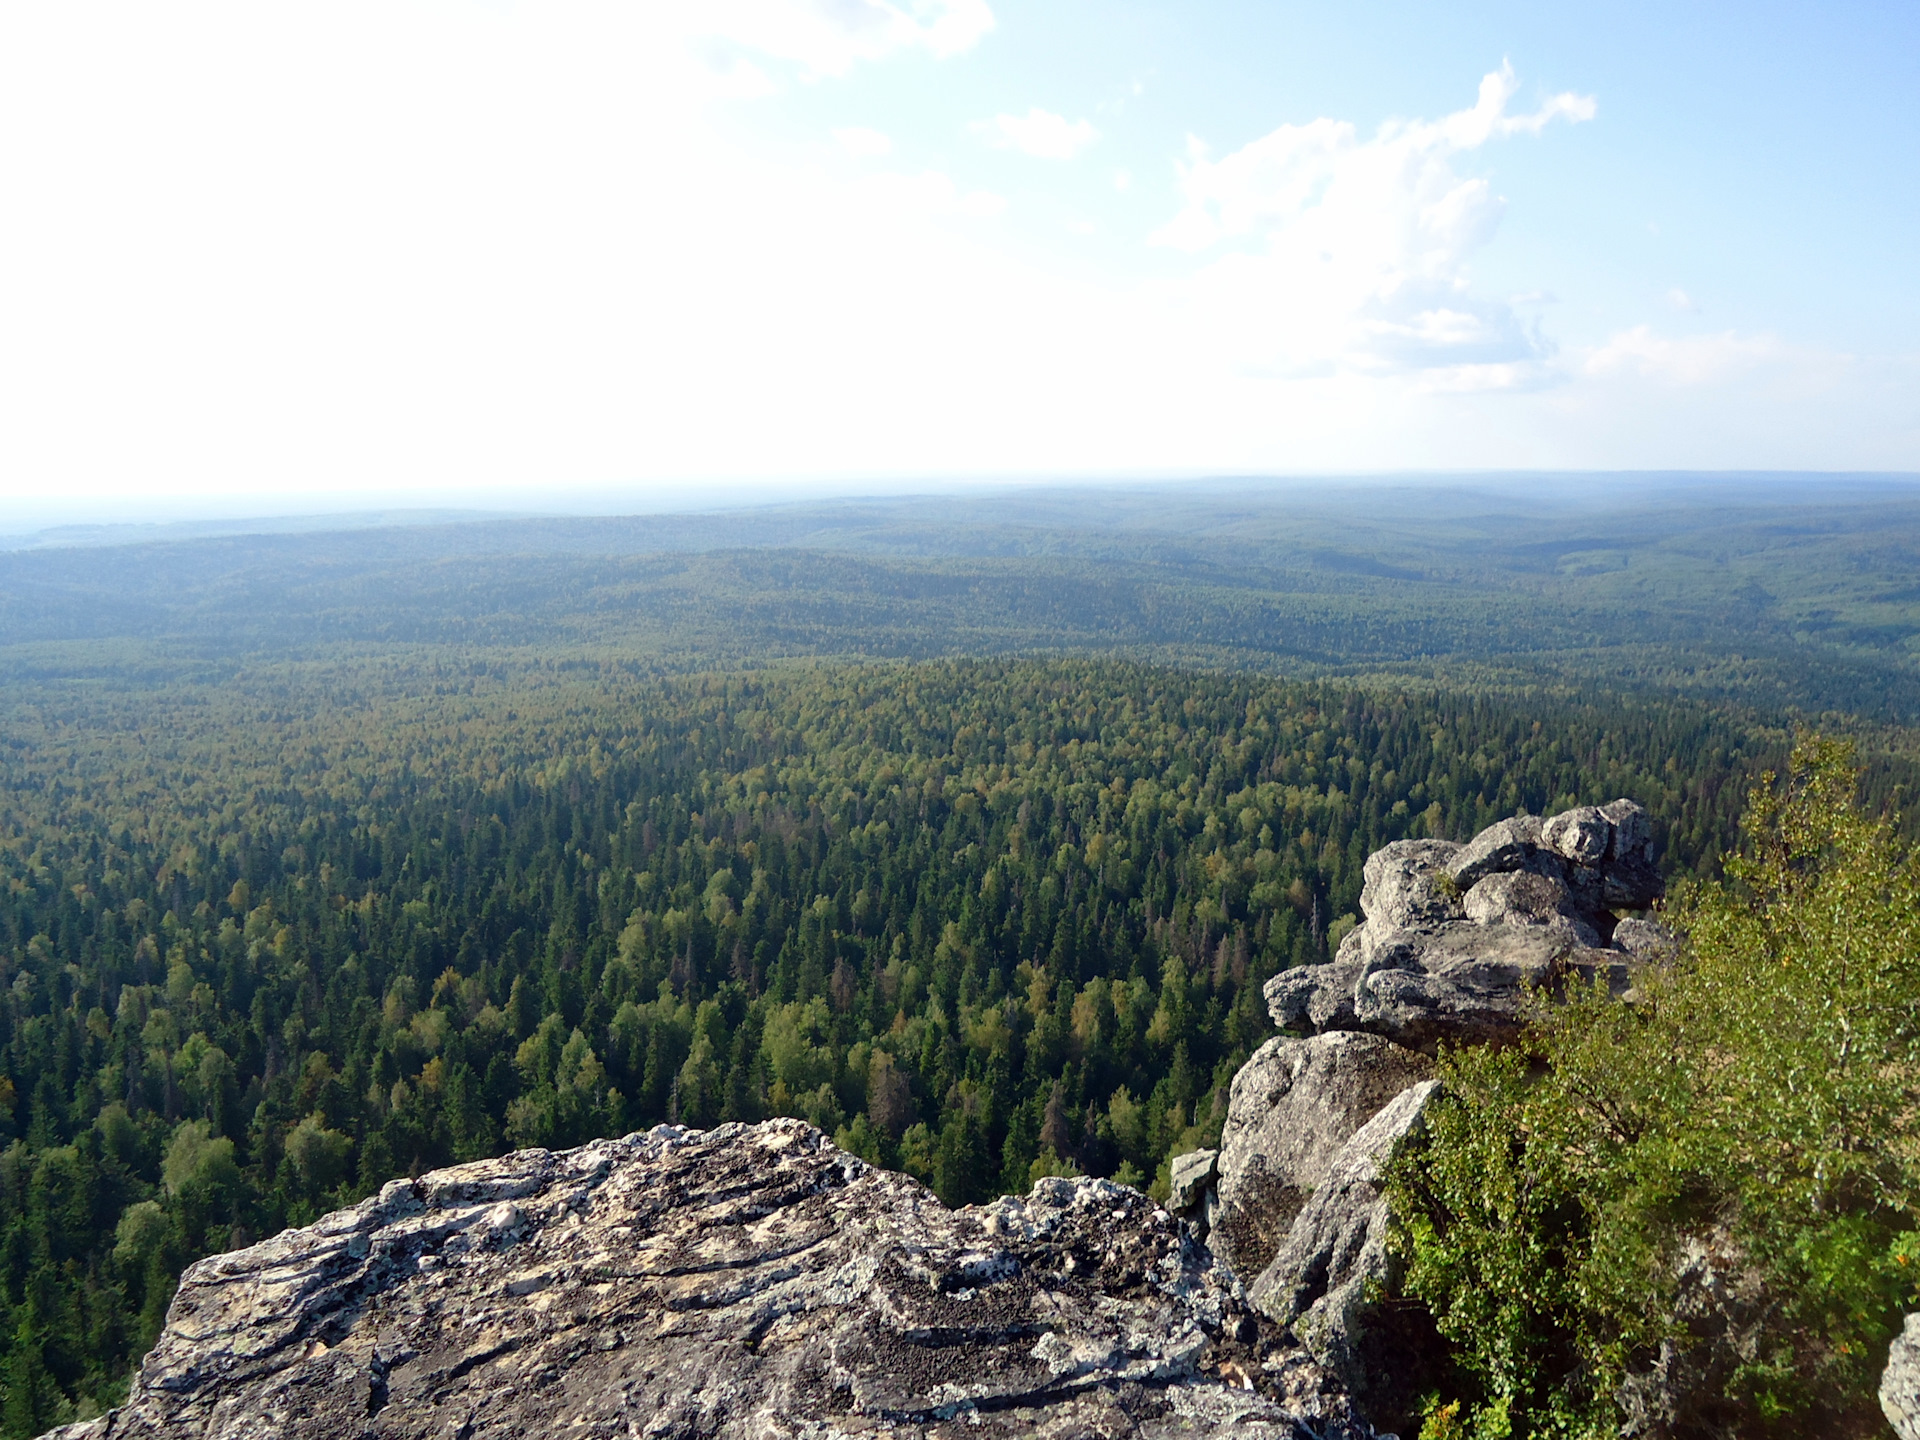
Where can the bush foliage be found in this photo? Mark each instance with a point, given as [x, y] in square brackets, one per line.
[1695, 1209]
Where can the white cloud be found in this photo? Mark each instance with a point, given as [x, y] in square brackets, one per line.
[1039, 133]
[1687, 360]
[1680, 300]
[427, 245]
[1360, 246]
[858, 140]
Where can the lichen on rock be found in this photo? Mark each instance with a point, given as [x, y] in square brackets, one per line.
[748, 1281]
[1455, 937]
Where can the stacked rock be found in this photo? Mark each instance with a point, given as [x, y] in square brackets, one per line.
[1454, 940]
[1457, 935]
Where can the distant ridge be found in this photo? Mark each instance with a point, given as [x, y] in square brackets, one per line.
[614, 522]
[88, 536]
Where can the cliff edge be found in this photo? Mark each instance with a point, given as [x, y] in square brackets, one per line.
[747, 1281]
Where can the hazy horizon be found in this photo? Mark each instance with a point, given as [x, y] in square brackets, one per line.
[510, 256]
[166, 517]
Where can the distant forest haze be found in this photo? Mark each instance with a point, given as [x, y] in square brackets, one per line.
[1787, 593]
[334, 858]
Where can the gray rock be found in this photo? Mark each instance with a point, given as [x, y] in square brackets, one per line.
[748, 1281]
[1332, 1277]
[1630, 885]
[1293, 1106]
[1192, 1180]
[1529, 900]
[1462, 983]
[1504, 846]
[1318, 998]
[1646, 940]
[1583, 835]
[1405, 884]
[1516, 898]
[1631, 881]
[1632, 831]
[1456, 937]
[1900, 1382]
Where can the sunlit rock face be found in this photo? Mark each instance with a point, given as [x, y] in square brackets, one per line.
[748, 1281]
[1456, 936]
[1293, 1106]
[1457, 942]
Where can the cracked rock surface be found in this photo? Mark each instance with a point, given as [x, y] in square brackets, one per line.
[1294, 1105]
[1329, 1281]
[748, 1281]
[1900, 1382]
[1456, 936]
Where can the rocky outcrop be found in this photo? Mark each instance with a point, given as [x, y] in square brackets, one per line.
[756, 1281]
[1457, 936]
[1688, 1386]
[1333, 1268]
[1456, 942]
[739, 1282]
[1900, 1382]
[1293, 1106]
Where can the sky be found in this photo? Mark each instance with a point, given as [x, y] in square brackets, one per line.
[261, 254]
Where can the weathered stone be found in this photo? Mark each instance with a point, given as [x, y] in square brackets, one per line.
[1406, 884]
[1645, 939]
[1582, 835]
[739, 1282]
[1631, 880]
[1192, 1178]
[1292, 1107]
[1332, 1277]
[1632, 830]
[1900, 1382]
[1503, 847]
[1631, 885]
[1461, 983]
[1526, 899]
[1434, 964]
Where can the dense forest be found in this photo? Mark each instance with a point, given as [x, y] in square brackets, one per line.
[264, 947]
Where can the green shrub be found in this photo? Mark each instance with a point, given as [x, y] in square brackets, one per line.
[1756, 1100]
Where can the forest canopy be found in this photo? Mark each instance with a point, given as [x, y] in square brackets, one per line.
[264, 948]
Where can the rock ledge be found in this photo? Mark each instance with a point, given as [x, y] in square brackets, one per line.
[748, 1281]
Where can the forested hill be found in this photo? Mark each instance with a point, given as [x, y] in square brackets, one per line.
[264, 949]
[1782, 594]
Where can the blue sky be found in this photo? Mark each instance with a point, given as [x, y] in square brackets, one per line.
[266, 253]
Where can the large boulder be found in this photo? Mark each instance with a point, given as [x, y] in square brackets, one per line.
[1529, 901]
[1462, 983]
[1455, 937]
[1900, 1382]
[748, 1281]
[1190, 1180]
[1406, 883]
[1293, 1106]
[1630, 879]
[1505, 847]
[1582, 835]
[1333, 1276]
